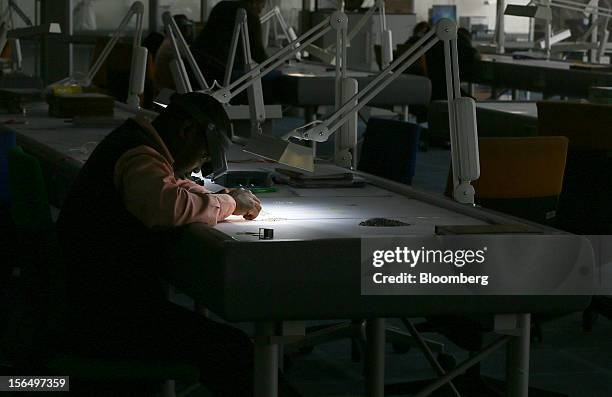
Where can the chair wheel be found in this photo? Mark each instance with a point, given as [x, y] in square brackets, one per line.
[400, 348]
[306, 349]
[447, 361]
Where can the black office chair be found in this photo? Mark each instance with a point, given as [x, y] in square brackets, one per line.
[38, 303]
[584, 205]
[389, 149]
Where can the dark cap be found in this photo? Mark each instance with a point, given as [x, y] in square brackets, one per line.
[203, 108]
[210, 114]
[182, 20]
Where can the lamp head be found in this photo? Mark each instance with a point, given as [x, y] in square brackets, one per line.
[281, 151]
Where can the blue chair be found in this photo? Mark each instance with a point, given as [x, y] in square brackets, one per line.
[389, 149]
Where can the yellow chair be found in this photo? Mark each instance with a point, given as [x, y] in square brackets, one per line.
[522, 176]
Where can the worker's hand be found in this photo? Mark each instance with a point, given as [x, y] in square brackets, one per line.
[247, 204]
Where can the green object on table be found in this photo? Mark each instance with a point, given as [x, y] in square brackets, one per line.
[259, 190]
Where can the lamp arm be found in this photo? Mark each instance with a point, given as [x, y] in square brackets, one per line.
[251, 81]
[605, 37]
[283, 24]
[268, 15]
[362, 21]
[225, 94]
[136, 8]
[138, 67]
[20, 12]
[257, 109]
[379, 7]
[182, 49]
[462, 114]
[382, 14]
[322, 131]
[240, 21]
[177, 66]
[385, 34]
[581, 7]
[287, 30]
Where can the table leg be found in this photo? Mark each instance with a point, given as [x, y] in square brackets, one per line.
[266, 361]
[375, 358]
[517, 359]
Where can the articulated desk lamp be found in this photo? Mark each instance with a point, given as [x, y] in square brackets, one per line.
[256, 111]
[327, 55]
[601, 19]
[8, 33]
[138, 63]
[462, 111]
[281, 151]
[177, 65]
[542, 9]
[274, 149]
[288, 31]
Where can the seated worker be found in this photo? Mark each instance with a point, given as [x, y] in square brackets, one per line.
[212, 46]
[128, 199]
[165, 54]
[152, 42]
[419, 67]
[419, 30]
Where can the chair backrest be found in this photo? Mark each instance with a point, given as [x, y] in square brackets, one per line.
[588, 126]
[389, 149]
[521, 176]
[29, 203]
[584, 206]
[521, 167]
[418, 68]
